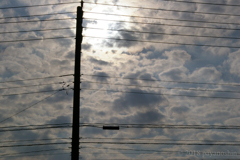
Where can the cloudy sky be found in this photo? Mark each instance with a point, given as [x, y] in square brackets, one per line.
[172, 68]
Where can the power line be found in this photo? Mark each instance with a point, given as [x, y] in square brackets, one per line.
[171, 43]
[49, 14]
[172, 34]
[159, 94]
[173, 25]
[38, 20]
[30, 145]
[169, 19]
[205, 3]
[153, 80]
[155, 87]
[168, 10]
[169, 126]
[36, 128]
[40, 30]
[37, 155]
[19, 153]
[36, 85]
[31, 79]
[128, 149]
[16, 94]
[161, 143]
[28, 107]
[42, 125]
[34, 140]
[39, 39]
[154, 139]
[40, 5]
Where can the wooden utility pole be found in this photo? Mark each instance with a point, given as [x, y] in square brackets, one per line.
[76, 95]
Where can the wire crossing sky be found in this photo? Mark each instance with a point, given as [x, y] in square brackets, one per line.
[165, 72]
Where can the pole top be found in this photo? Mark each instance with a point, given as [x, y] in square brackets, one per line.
[82, 3]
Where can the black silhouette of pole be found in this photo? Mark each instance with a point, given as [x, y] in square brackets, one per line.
[76, 96]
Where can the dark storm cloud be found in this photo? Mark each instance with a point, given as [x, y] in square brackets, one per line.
[173, 74]
[150, 116]
[70, 55]
[99, 62]
[137, 100]
[86, 46]
[60, 119]
[122, 43]
[153, 29]
[101, 76]
[180, 109]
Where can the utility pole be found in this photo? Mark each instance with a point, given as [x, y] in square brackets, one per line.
[76, 94]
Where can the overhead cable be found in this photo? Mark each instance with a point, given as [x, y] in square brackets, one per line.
[162, 143]
[168, 10]
[37, 39]
[36, 15]
[5, 119]
[169, 126]
[16, 94]
[205, 3]
[40, 20]
[158, 18]
[35, 85]
[157, 87]
[34, 140]
[172, 34]
[162, 24]
[155, 80]
[155, 139]
[162, 42]
[40, 30]
[159, 94]
[37, 144]
[40, 5]
[38, 151]
[32, 79]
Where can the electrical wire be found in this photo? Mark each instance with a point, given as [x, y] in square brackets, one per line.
[161, 143]
[40, 5]
[39, 39]
[19, 153]
[162, 24]
[170, 43]
[52, 154]
[40, 30]
[168, 126]
[28, 107]
[155, 139]
[34, 140]
[155, 87]
[42, 125]
[44, 20]
[153, 80]
[168, 10]
[32, 79]
[158, 18]
[37, 144]
[205, 3]
[36, 15]
[172, 34]
[159, 94]
[36, 128]
[16, 94]
[36, 85]
[128, 149]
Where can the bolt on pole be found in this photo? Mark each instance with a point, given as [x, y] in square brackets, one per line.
[76, 94]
